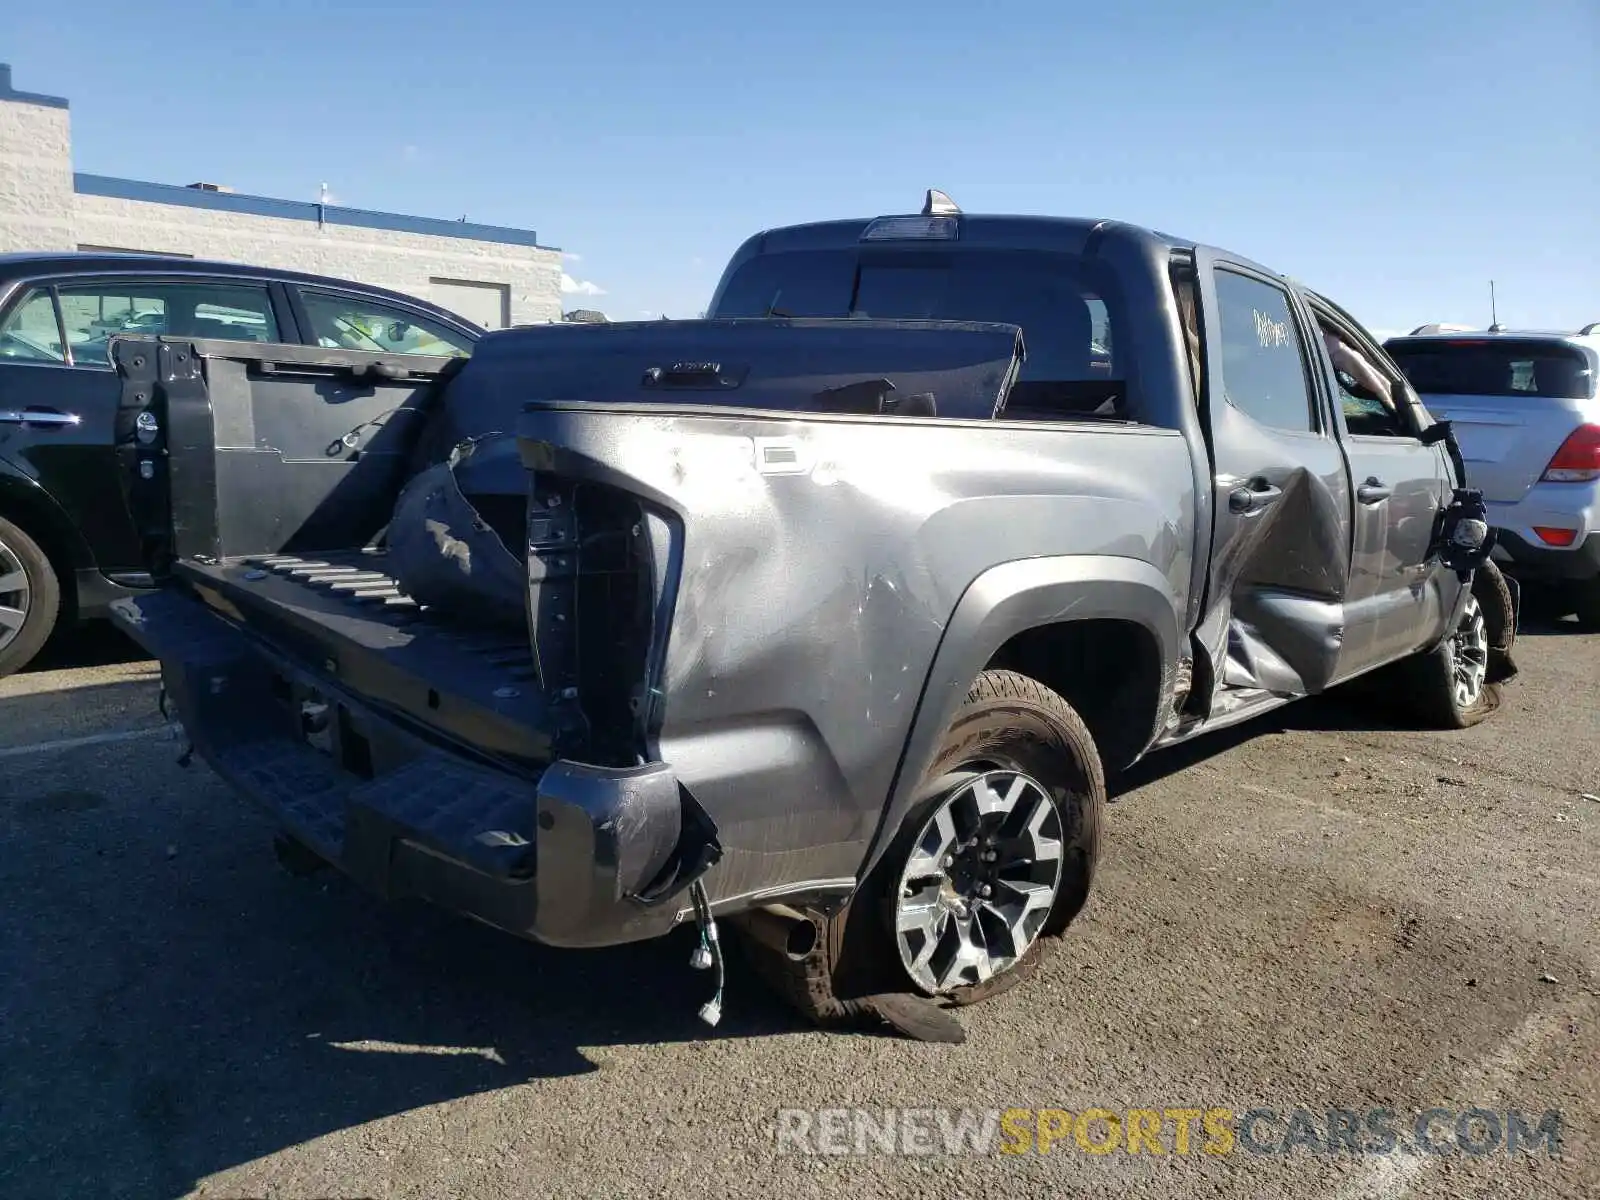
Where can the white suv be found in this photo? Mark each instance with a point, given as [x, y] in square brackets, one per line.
[1527, 416]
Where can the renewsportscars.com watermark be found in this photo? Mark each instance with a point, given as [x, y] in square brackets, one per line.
[1175, 1130]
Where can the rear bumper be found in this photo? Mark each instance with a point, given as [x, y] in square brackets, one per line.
[578, 855]
[1520, 549]
[1547, 564]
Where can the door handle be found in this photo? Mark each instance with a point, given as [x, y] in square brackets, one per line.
[47, 416]
[1252, 499]
[1374, 491]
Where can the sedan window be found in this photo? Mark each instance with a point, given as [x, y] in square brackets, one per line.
[354, 323]
[30, 332]
[94, 313]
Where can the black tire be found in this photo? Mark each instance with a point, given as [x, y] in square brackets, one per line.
[1431, 688]
[1006, 721]
[40, 600]
[1586, 604]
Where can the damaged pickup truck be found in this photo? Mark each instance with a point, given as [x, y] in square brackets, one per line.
[824, 616]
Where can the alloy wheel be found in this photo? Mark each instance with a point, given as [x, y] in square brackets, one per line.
[980, 880]
[15, 595]
[1469, 655]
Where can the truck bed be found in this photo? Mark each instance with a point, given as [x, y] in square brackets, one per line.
[342, 615]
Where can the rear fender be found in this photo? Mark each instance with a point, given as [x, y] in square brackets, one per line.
[24, 502]
[1004, 601]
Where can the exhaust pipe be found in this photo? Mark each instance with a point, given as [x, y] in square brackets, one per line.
[782, 930]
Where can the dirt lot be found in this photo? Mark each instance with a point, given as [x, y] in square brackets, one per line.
[1319, 912]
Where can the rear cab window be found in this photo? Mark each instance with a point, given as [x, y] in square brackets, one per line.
[1068, 308]
[1508, 367]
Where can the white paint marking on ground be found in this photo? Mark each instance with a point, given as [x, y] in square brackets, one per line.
[1393, 1176]
[368, 1046]
[78, 743]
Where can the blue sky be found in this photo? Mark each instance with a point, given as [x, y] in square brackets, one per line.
[1395, 156]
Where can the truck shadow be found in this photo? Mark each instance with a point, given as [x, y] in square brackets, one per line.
[92, 644]
[172, 1015]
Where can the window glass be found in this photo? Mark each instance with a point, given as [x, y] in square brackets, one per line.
[353, 323]
[30, 331]
[1263, 357]
[95, 313]
[1508, 367]
[1066, 307]
[1366, 412]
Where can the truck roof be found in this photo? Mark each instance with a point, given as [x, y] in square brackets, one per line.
[994, 230]
[989, 231]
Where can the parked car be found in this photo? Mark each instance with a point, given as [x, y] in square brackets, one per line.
[1526, 413]
[68, 544]
[827, 613]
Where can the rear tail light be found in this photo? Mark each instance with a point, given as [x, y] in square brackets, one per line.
[1578, 460]
[1551, 536]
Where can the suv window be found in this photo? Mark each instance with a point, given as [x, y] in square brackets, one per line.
[30, 333]
[1263, 357]
[1499, 367]
[94, 313]
[354, 323]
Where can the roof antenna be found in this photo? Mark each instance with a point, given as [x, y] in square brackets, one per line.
[937, 203]
[1494, 316]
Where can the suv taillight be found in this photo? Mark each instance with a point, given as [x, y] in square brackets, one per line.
[1578, 460]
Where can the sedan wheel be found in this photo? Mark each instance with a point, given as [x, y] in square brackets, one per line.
[15, 595]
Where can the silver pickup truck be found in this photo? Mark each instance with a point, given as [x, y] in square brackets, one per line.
[825, 615]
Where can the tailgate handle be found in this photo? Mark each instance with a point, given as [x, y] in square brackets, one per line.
[38, 416]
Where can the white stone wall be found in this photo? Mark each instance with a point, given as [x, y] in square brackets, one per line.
[404, 262]
[40, 210]
[35, 177]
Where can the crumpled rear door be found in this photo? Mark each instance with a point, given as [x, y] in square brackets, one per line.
[1279, 566]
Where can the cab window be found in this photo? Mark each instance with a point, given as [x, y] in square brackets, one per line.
[1264, 373]
[352, 323]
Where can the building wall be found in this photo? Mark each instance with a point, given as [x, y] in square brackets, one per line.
[35, 173]
[406, 262]
[44, 206]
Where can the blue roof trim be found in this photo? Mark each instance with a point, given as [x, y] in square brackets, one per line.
[296, 210]
[7, 92]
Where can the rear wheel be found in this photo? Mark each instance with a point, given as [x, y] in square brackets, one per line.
[997, 857]
[30, 598]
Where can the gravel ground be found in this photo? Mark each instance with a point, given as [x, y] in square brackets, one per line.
[1315, 911]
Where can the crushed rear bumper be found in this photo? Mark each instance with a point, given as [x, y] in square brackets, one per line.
[570, 855]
